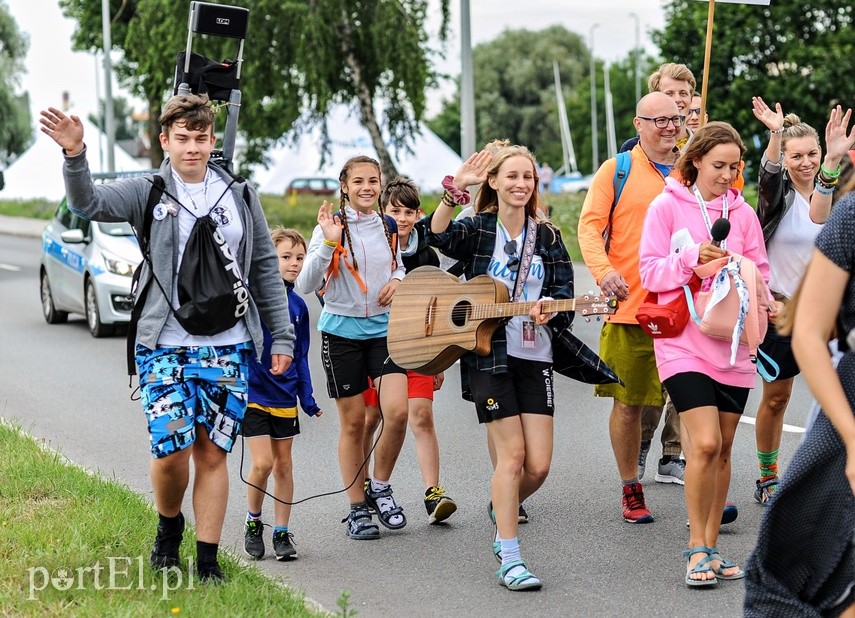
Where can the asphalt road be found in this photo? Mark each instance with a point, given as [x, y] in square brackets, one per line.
[65, 387]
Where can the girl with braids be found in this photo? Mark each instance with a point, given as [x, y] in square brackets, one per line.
[795, 196]
[512, 385]
[400, 200]
[353, 256]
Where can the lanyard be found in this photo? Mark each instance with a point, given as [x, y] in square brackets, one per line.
[706, 214]
[187, 190]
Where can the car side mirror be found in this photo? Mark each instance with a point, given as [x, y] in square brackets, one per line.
[72, 237]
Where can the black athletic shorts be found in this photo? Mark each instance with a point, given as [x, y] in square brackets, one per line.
[525, 387]
[349, 363]
[284, 424]
[780, 349]
[692, 390]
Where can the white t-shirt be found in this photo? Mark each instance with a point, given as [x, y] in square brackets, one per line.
[791, 247]
[526, 340]
[200, 198]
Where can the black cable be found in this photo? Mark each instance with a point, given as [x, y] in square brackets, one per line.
[358, 474]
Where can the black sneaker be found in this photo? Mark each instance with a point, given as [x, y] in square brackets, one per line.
[253, 543]
[439, 506]
[522, 516]
[166, 544]
[210, 573]
[283, 546]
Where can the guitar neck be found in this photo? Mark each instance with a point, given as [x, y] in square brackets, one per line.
[507, 310]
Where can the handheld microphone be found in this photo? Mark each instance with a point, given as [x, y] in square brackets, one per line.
[720, 230]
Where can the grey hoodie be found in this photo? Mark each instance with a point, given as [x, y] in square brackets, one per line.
[125, 200]
[343, 295]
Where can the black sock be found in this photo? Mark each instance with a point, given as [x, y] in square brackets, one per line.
[206, 553]
[171, 524]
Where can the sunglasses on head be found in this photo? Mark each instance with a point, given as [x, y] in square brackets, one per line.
[513, 260]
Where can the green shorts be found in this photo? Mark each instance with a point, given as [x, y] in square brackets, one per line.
[629, 352]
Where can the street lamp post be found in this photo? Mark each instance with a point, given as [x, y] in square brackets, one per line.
[595, 154]
[467, 84]
[637, 56]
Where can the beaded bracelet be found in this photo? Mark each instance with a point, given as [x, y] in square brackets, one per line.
[831, 175]
[822, 191]
[776, 131]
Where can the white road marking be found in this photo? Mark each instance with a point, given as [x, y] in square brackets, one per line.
[10, 267]
[790, 428]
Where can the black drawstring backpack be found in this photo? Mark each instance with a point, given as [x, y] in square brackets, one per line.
[212, 295]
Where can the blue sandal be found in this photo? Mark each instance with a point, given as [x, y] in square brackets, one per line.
[523, 581]
[700, 567]
[725, 564]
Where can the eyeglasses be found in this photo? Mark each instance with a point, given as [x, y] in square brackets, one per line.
[695, 110]
[662, 121]
[513, 260]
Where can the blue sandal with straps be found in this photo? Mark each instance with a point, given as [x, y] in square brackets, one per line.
[700, 567]
[725, 564]
[523, 581]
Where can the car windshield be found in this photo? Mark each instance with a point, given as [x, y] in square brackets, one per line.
[122, 228]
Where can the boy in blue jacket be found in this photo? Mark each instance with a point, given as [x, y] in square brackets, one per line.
[271, 418]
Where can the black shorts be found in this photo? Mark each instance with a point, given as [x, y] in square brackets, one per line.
[780, 349]
[349, 363]
[526, 387]
[692, 390]
[257, 423]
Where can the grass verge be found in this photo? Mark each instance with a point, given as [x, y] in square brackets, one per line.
[75, 544]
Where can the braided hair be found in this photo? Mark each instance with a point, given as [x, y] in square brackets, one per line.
[342, 178]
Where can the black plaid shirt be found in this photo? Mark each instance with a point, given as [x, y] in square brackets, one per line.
[472, 241]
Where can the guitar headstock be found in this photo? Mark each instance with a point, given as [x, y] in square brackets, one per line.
[592, 305]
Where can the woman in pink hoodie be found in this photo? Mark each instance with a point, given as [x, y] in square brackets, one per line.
[707, 389]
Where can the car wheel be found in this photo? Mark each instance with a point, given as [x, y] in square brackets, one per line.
[93, 317]
[51, 313]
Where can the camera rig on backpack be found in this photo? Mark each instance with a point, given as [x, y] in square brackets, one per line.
[197, 74]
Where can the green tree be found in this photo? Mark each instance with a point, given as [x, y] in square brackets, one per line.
[516, 100]
[15, 120]
[301, 57]
[792, 51]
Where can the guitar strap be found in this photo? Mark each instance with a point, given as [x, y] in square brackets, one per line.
[527, 255]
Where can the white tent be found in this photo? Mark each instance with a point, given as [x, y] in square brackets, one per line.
[37, 173]
[430, 160]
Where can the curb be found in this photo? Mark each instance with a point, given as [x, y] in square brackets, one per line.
[22, 226]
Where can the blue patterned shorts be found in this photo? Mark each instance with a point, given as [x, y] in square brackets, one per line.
[181, 387]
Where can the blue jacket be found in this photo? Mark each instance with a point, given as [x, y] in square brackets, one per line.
[283, 391]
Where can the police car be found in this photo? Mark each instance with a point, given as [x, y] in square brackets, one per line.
[86, 268]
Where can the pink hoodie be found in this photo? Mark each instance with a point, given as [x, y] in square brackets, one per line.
[674, 218]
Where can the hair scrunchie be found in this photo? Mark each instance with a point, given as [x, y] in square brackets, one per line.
[459, 197]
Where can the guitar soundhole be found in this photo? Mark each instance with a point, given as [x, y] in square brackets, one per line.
[460, 313]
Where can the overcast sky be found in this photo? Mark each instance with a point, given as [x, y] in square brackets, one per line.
[53, 68]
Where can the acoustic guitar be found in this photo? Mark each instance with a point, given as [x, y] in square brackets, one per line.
[435, 318]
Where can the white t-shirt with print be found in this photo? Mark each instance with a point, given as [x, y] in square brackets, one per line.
[498, 270]
[200, 198]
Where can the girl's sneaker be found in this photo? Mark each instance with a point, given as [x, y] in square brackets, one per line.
[439, 507]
